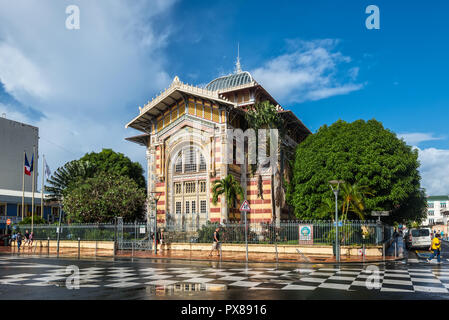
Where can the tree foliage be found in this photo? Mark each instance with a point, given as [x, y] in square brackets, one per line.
[36, 220]
[103, 197]
[362, 153]
[90, 165]
[117, 163]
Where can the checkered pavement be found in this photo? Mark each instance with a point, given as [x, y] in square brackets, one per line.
[397, 278]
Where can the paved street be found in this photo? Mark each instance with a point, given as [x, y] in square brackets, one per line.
[25, 277]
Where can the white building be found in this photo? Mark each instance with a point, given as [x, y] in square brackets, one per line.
[436, 205]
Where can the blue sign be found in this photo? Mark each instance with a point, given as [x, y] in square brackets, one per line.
[305, 233]
[339, 223]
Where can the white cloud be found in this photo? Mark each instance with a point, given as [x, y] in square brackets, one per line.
[310, 71]
[83, 80]
[10, 113]
[434, 170]
[416, 138]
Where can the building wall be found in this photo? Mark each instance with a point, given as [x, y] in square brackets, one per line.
[214, 148]
[435, 207]
[15, 138]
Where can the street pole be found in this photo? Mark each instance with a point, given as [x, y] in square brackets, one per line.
[337, 244]
[59, 229]
[155, 228]
[336, 191]
[34, 168]
[246, 236]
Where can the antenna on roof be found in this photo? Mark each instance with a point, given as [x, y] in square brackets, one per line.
[238, 67]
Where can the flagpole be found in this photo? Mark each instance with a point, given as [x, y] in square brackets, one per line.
[32, 199]
[42, 190]
[23, 183]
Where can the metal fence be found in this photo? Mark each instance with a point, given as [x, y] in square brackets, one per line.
[140, 235]
[95, 232]
[286, 232]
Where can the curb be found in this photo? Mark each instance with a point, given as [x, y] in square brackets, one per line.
[270, 262]
[117, 257]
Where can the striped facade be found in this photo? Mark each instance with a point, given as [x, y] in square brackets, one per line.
[185, 135]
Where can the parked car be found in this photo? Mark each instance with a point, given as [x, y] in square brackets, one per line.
[418, 238]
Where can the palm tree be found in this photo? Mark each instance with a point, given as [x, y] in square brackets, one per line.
[64, 176]
[264, 115]
[354, 196]
[230, 188]
[327, 208]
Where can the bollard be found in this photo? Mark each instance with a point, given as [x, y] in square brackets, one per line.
[276, 247]
[395, 249]
[48, 245]
[96, 246]
[363, 253]
[132, 250]
[79, 247]
[383, 250]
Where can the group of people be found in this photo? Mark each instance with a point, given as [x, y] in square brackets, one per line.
[19, 238]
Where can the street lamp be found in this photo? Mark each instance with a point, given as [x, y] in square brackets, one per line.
[335, 186]
[155, 197]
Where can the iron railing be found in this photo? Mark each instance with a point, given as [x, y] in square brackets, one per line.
[286, 232]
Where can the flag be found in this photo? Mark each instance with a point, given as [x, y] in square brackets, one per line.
[27, 166]
[47, 172]
[32, 163]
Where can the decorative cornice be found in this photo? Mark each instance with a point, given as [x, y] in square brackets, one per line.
[179, 85]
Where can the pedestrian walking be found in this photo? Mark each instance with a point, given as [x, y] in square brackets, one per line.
[216, 244]
[442, 234]
[435, 247]
[30, 239]
[19, 240]
[27, 237]
[161, 238]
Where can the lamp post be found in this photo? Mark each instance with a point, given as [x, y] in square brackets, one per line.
[335, 186]
[155, 196]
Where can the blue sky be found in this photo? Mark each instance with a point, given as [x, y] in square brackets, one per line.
[317, 58]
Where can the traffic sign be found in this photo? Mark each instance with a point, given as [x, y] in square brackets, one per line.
[8, 222]
[380, 213]
[245, 206]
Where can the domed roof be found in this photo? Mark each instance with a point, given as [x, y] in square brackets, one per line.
[233, 80]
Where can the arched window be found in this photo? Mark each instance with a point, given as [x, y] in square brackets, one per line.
[178, 164]
[202, 163]
[189, 160]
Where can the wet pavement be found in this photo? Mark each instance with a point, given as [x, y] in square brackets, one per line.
[36, 277]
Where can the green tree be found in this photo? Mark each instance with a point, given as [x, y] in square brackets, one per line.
[36, 220]
[230, 188]
[103, 197]
[90, 165]
[360, 152]
[113, 162]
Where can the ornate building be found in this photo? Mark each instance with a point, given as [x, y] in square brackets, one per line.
[185, 135]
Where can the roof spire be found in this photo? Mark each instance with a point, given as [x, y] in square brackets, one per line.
[238, 67]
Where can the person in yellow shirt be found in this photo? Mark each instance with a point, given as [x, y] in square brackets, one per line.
[436, 245]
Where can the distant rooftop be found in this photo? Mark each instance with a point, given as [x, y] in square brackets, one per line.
[437, 198]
